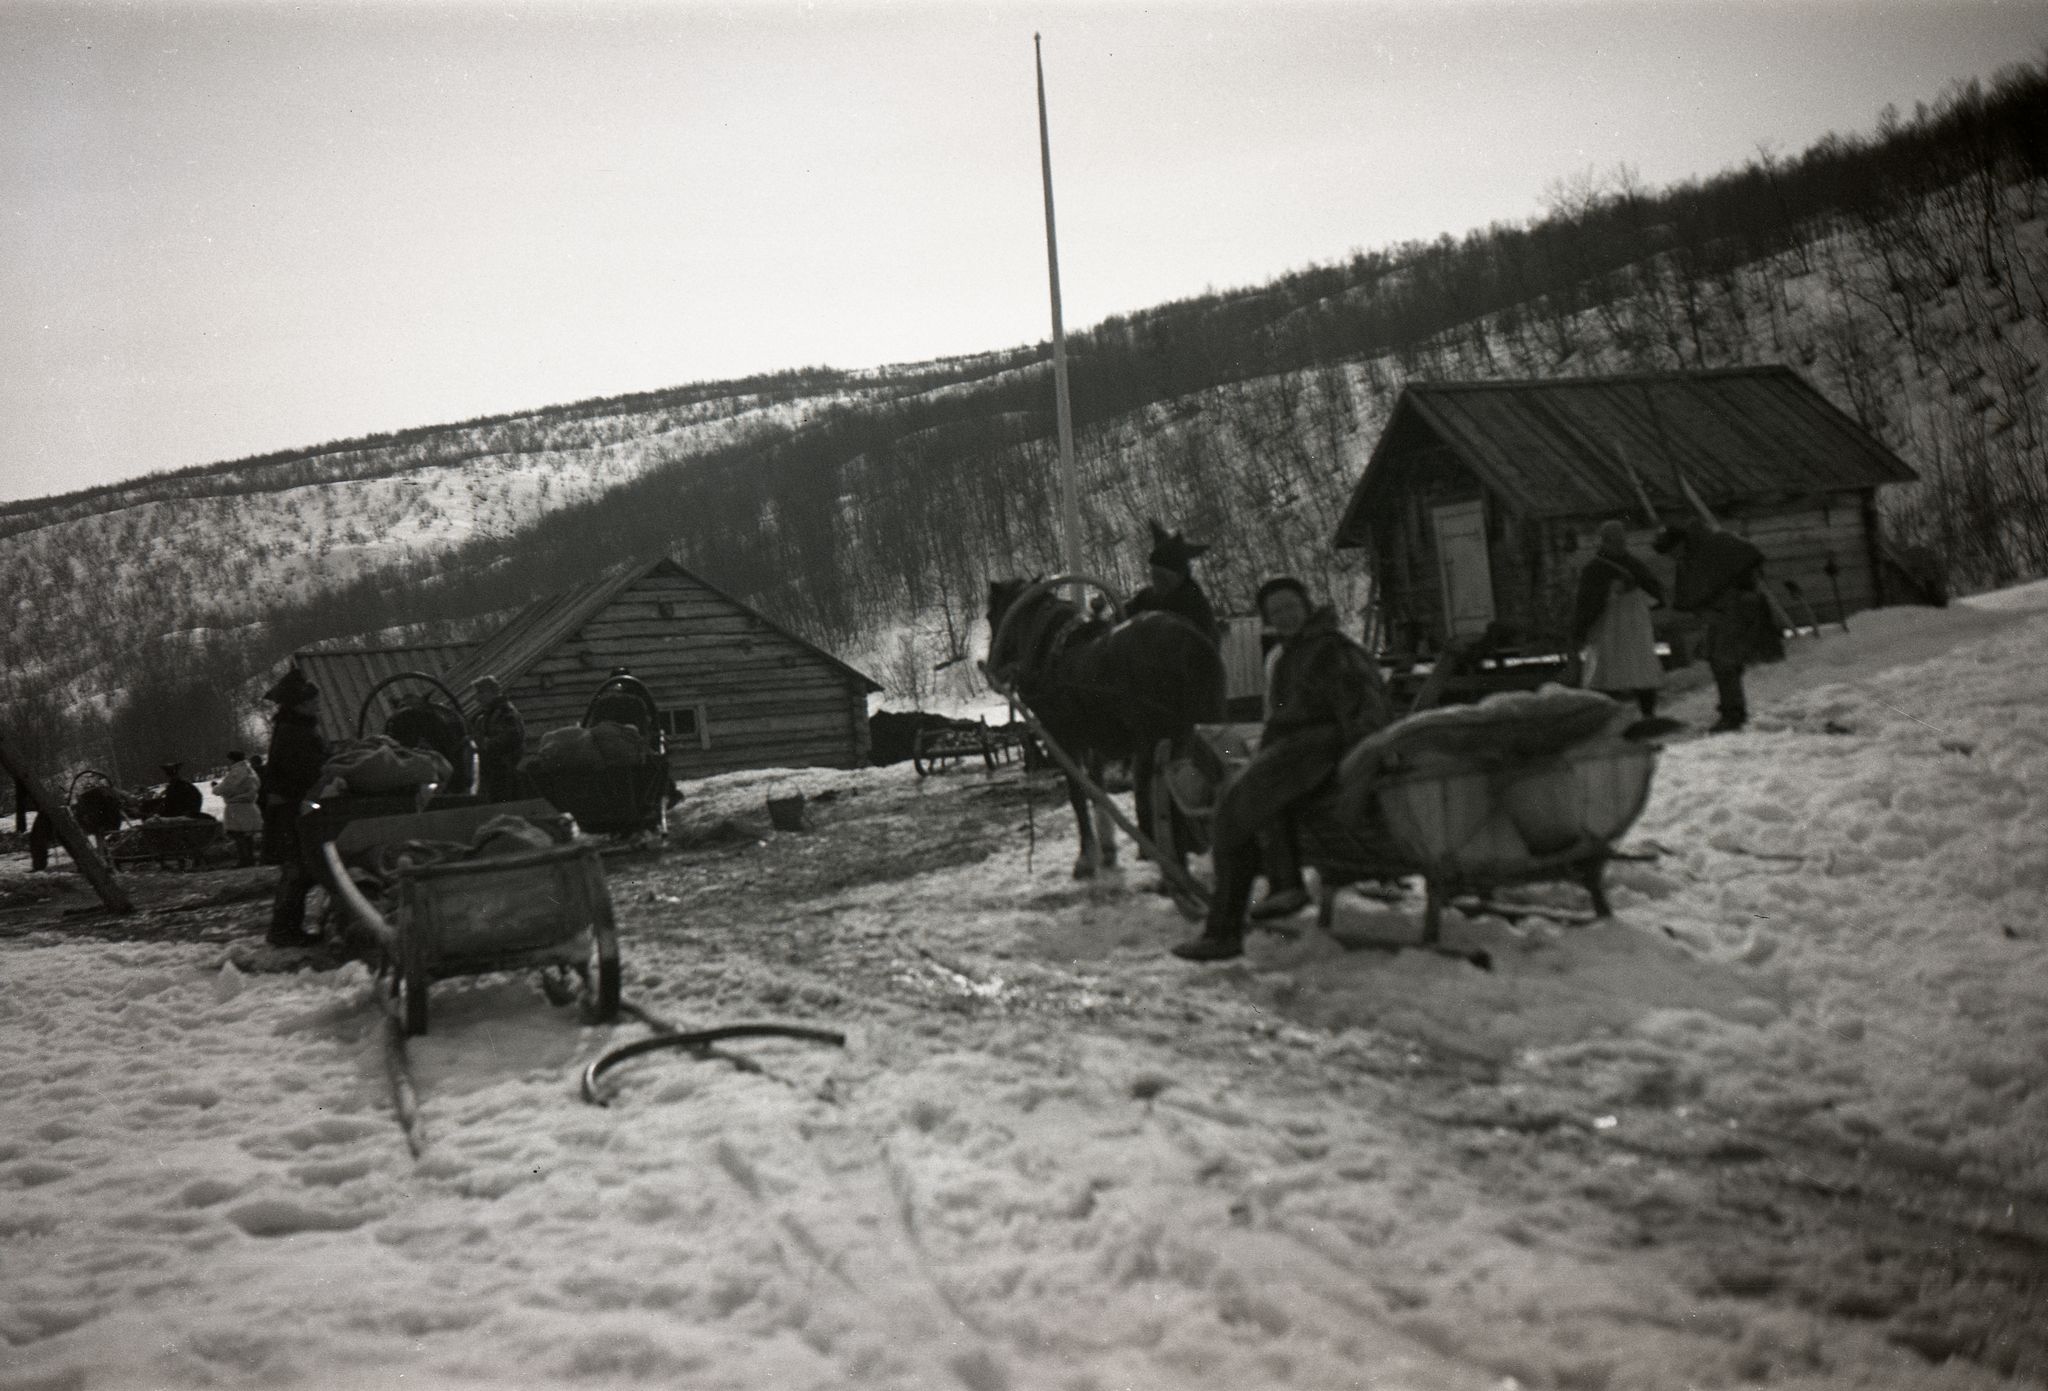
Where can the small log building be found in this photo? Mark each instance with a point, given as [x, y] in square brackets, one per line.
[1480, 502]
[733, 689]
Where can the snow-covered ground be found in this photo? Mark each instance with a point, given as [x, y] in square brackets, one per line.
[1783, 1119]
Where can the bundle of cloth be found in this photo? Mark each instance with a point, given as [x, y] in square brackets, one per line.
[589, 748]
[498, 837]
[1504, 740]
[378, 763]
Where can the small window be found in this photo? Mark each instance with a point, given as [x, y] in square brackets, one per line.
[685, 723]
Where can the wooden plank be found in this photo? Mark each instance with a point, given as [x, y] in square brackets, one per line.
[634, 652]
[724, 730]
[682, 683]
[674, 670]
[611, 624]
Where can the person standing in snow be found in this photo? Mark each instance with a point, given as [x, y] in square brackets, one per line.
[1173, 588]
[289, 772]
[1718, 578]
[1326, 694]
[241, 791]
[1611, 622]
[501, 741]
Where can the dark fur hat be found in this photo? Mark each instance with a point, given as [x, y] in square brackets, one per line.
[1279, 583]
[291, 689]
[1172, 551]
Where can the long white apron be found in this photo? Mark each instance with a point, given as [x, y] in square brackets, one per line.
[1621, 651]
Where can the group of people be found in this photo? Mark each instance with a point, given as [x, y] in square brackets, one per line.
[1324, 691]
[100, 810]
[1718, 577]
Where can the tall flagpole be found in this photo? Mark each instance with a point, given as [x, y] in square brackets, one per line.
[1070, 502]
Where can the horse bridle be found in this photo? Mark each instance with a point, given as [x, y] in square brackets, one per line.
[1006, 686]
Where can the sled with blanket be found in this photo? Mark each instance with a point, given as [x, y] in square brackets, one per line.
[372, 775]
[425, 719]
[472, 890]
[165, 840]
[610, 772]
[1524, 787]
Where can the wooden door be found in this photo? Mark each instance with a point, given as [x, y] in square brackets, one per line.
[1463, 567]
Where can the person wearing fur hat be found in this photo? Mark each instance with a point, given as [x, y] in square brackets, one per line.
[1326, 694]
[1719, 577]
[290, 770]
[1173, 588]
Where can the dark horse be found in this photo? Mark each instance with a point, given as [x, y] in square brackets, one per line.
[1102, 691]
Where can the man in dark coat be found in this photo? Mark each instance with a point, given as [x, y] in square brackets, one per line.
[290, 770]
[1326, 694]
[501, 741]
[1173, 588]
[1717, 578]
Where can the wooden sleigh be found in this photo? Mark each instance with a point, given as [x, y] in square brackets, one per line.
[621, 799]
[1464, 827]
[543, 909]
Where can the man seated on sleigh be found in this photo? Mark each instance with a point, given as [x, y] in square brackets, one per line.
[1324, 694]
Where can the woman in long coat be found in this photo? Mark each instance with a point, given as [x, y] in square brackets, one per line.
[1611, 622]
[241, 792]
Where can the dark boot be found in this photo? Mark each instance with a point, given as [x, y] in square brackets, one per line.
[288, 909]
[1218, 942]
[1281, 903]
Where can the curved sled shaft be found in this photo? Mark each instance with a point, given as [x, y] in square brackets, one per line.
[698, 1039]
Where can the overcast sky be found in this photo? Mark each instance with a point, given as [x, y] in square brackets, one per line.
[227, 229]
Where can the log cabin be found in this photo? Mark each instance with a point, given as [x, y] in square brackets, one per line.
[733, 689]
[1481, 500]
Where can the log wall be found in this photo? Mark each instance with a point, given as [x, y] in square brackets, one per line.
[1536, 564]
[763, 699]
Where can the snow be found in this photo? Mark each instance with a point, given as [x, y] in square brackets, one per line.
[1666, 1149]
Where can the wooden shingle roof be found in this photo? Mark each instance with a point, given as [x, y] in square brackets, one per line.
[1555, 448]
[546, 623]
[347, 675]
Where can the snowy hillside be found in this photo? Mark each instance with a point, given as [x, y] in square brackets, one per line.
[224, 559]
[1784, 1120]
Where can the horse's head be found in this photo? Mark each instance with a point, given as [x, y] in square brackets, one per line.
[1002, 598]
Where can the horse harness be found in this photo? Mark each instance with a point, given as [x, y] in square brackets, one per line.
[1046, 640]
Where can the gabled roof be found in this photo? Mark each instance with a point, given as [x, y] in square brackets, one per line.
[1555, 448]
[347, 675]
[547, 623]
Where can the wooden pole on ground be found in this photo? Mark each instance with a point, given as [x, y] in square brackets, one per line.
[74, 841]
[1175, 875]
